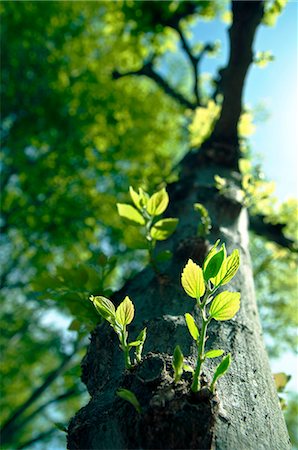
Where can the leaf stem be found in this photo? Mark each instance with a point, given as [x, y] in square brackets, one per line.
[201, 344]
[126, 349]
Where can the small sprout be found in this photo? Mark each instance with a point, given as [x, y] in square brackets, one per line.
[146, 212]
[130, 397]
[221, 370]
[201, 284]
[119, 318]
[177, 364]
[139, 348]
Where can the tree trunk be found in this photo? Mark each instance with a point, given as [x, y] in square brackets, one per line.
[244, 413]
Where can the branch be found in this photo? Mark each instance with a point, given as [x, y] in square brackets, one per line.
[247, 16]
[149, 72]
[194, 60]
[71, 392]
[8, 427]
[273, 232]
[38, 437]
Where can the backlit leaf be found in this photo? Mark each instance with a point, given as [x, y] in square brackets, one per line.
[163, 229]
[130, 213]
[158, 203]
[221, 370]
[130, 397]
[192, 327]
[192, 280]
[213, 353]
[135, 197]
[177, 363]
[225, 305]
[228, 269]
[104, 307]
[125, 312]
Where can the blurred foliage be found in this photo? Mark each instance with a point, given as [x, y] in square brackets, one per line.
[73, 140]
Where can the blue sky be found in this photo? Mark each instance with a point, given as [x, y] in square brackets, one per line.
[276, 140]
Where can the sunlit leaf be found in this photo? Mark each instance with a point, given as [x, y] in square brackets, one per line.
[130, 213]
[228, 269]
[213, 353]
[192, 280]
[163, 229]
[192, 327]
[125, 312]
[225, 305]
[158, 203]
[104, 307]
[221, 370]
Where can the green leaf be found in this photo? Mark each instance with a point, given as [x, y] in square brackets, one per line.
[130, 213]
[177, 363]
[130, 397]
[210, 254]
[225, 305]
[136, 198]
[192, 327]
[134, 343]
[221, 370]
[281, 379]
[213, 353]
[192, 280]
[141, 338]
[187, 368]
[162, 229]
[104, 307]
[144, 197]
[163, 256]
[228, 269]
[125, 312]
[214, 264]
[158, 203]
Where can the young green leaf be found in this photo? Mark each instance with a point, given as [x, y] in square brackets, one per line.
[125, 312]
[134, 343]
[130, 397]
[191, 325]
[177, 363]
[192, 280]
[104, 307]
[158, 203]
[213, 353]
[281, 379]
[187, 368]
[214, 264]
[225, 305]
[221, 370]
[210, 254]
[135, 198]
[144, 197]
[141, 338]
[162, 229]
[130, 213]
[228, 269]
